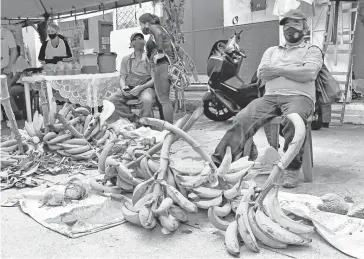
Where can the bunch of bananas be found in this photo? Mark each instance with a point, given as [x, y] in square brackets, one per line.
[230, 183]
[65, 145]
[156, 201]
[237, 192]
[264, 222]
[8, 156]
[9, 146]
[35, 128]
[156, 198]
[82, 133]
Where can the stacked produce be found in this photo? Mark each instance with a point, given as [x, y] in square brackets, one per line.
[75, 134]
[10, 152]
[165, 194]
[260, 223]
[258, 215]
[157, 194]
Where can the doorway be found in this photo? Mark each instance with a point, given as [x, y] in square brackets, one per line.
[105, 28]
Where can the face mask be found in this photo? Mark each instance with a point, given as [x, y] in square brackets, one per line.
[145, 31]
[292, 35]
[52, 36]
[139, 45]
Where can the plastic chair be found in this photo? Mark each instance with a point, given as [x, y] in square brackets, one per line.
[307, 159]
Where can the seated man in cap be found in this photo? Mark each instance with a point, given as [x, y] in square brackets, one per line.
[136, 82]
[290, 71]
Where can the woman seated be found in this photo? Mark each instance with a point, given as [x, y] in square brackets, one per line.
[56, 48]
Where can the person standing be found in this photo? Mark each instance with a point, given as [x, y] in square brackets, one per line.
[8, 58]
[160, 52]
[56, 48]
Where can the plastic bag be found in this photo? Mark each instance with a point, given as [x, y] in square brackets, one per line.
[283, 6]
[327, 86]
[319, 2]
[344, 233]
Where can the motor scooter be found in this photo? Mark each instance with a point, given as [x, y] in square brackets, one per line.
[227, 92]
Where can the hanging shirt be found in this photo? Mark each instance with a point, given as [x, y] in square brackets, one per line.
[7, 43]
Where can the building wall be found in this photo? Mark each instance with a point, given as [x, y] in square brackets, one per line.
[242, 9]
[93, 26]
[204, 25]
[256, 38]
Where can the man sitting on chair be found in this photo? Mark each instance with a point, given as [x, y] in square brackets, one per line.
[136, 82]
[290, 71]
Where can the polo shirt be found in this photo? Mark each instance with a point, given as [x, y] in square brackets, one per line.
[7, 43]
[141, 68]
[284, 55]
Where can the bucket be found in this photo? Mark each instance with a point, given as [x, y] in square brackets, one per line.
[89, 70]
[107, 62]
[89, 59]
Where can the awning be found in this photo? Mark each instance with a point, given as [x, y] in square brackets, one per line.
[16, 10]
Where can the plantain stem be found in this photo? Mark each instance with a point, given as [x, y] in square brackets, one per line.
[167, 143]
[286, 159]
[181, 134]
[69, 126]
[5, 101]
[194, 117]
[45, 110]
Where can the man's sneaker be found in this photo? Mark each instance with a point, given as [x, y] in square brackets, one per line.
[290, 178]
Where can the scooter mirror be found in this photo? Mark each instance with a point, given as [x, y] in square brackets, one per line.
[235, 20]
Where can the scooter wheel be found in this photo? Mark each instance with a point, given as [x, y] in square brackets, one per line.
[216, 112]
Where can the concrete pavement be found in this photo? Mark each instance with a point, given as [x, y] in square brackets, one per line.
[338, 167]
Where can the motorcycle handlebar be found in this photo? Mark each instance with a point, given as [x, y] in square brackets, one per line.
[240, 53]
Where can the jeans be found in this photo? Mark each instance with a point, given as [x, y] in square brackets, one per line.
[122, 110]
[162, 87]
[248, 121]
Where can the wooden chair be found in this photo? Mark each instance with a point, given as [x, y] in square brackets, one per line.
[307, 159]
[134, 104]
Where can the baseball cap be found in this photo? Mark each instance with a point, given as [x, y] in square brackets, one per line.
[136, 34]
[293, 14]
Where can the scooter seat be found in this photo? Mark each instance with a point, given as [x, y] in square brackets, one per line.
[238, 84]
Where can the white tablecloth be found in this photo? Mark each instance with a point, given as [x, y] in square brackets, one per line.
[84, 89]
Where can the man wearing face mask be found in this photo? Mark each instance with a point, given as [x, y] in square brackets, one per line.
[136, 82]
[290, 71]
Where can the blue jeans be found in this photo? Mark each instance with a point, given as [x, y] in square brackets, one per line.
[162, 86]
[260, 111]
[122, 110]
